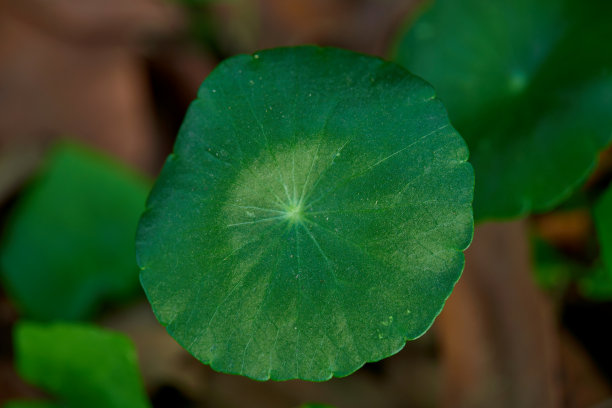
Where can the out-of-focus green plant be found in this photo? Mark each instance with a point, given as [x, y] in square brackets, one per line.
[528, 84]
[79, 365]
[69, 243]
[552, 270]
[598, 284]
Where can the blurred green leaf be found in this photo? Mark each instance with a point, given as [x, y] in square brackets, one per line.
[599, 284]
[315, 405]
[552, 270]
[312, 217]
[528, 84]
[83, 366]
[31, 404]
[69, 243]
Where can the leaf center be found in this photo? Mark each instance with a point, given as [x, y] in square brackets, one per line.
[294, 212]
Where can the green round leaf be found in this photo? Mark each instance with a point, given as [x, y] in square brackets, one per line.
[311, 218]
[69, 243]
[529, 86]
[82, 366]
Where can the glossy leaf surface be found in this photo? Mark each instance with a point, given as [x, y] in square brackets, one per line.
[311, 218]
[528, 84]
[81, 366]
[69, 244]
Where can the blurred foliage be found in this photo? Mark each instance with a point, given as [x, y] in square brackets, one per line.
[201, 26]
[552, 270]
[599, 284]
[223, 27]
[83, 366]
[31, 404]
[529, 86]
[69, 243]
[591, 271]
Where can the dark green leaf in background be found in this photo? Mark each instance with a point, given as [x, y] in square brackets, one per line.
[316, 405]
[529, 86]
[552, 271]
[81, 366]
[69, 243]
[599, 284]
[311, 218]
[31, 404]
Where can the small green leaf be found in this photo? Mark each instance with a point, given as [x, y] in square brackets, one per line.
[83, 366]
[598, 285]
[311, 218]
[528, 84]
[70, 241]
